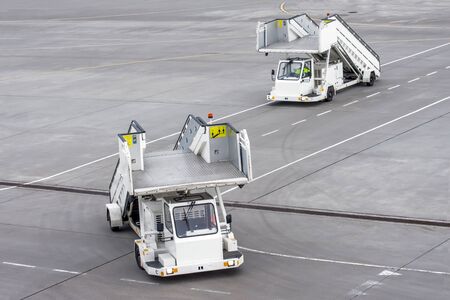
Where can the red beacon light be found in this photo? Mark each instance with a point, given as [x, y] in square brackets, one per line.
[210, 115]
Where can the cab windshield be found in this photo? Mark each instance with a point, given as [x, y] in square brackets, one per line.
[290, 70]
[194, 220]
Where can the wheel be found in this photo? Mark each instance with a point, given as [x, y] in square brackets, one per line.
[137, 255]
[372, 79]
[330, 94]
[113, 228]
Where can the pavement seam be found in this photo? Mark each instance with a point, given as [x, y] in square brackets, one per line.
[76, 275]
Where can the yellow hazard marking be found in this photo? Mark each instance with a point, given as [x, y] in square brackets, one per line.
[218, 131]
[129, 139]
[280, 23]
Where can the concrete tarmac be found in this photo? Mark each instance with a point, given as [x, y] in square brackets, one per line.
[73, 75]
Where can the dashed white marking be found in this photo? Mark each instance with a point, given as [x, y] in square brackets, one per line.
[298, 122]
[415, 54]
[360, 290]
[350, 103]
[345, 141]
[342, 262]
[388, 273]
[211, 291]
[356, 292]
[394, 87]
[18, 265]
[415, 79]
[432, 73]
[266, 134]
[374, 94]
[138, 281]
[325, 112]
[341, 142]
[447, 67]
[65, 271]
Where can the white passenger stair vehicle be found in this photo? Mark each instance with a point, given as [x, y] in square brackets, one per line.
[320, 59]
[172, 199]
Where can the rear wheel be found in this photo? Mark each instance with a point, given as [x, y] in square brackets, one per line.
[113, 228]
[330, 94]
[372, 79]
[137, 255]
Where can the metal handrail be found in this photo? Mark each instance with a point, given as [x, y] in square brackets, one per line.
[356, 35]
[112, 179]
[204, 124]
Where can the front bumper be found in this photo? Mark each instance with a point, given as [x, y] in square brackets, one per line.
[299, 98]
[231, 261]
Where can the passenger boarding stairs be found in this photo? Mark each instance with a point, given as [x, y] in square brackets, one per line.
[301, 35]
[356, 51]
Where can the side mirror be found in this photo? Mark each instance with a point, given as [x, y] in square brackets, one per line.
[160, 227]
[273, 75]
[228, 219]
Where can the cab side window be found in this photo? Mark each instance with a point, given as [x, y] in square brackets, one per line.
[167, 218]
[307, 70]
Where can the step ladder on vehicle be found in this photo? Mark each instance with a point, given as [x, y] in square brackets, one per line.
[321, 59]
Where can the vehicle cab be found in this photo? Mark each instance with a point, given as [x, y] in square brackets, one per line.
[294, 80]
[190, 237]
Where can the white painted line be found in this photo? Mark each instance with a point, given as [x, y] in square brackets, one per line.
[388, 273]
[374, 94]
[350, 103]
[266, 134]
[211, 291]
[325, 112]
[341, 262]
[240, 112]
[65, 271]
[18, 265]
[298, 122]
[426, 271]
[415, 54]
[447, 67]
[394, 87]
[316, 259]
[415, 79]
[432, 73]
[138, 281]
[63, 172]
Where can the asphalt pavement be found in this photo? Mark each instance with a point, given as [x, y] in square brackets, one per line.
[74, 74]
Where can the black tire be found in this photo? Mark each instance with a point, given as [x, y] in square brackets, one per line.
[113, 228]
[137, 255]
[330, 94]
[372, 79]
